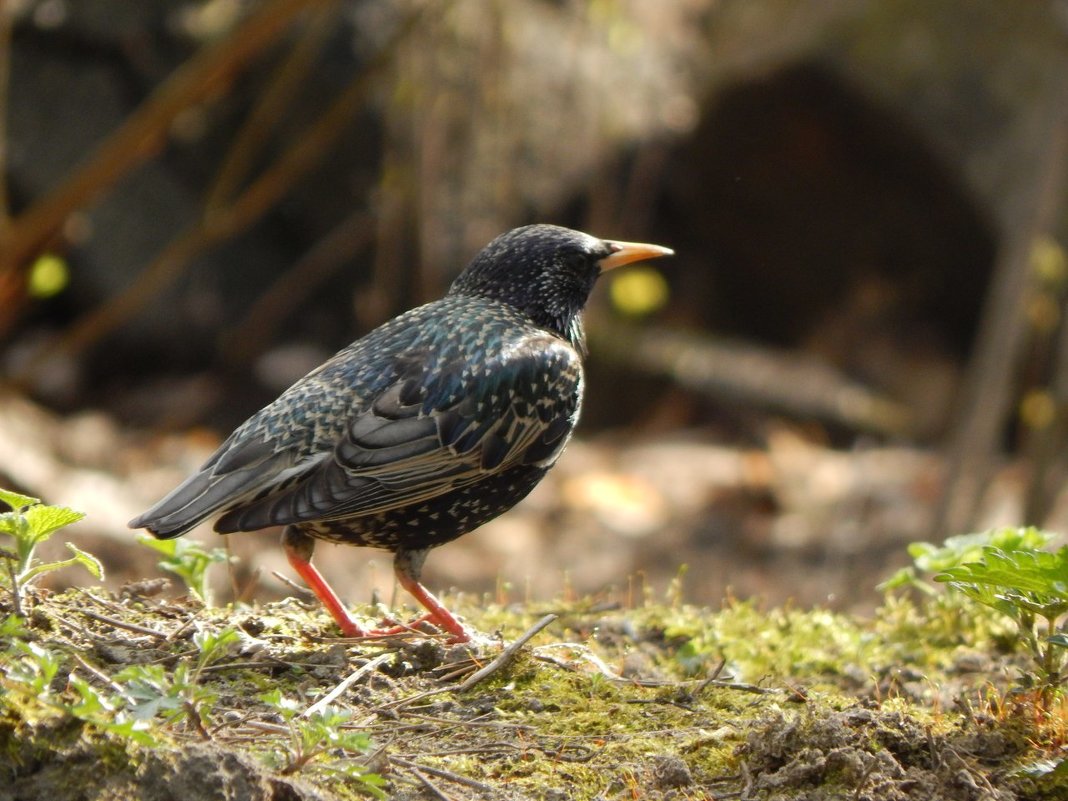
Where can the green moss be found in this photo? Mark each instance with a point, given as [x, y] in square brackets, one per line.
[805, 701]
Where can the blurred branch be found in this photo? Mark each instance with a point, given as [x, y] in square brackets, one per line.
[986, 401]
[260, 196]
[145, 131]
[6, 23]
[12, 289]
[1045, 446]
[253, 333]
[282, 88]
[752, 374]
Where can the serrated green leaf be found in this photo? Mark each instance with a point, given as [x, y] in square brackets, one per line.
[28, 576]
[1011, 538]
[87, 560]
[964, 548]
[987, 597]
[92, 705]
[1018, 571]
[214, 646]
[16, 500]
[44, 521]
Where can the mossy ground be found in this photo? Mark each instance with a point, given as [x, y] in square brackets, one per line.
[659, 701]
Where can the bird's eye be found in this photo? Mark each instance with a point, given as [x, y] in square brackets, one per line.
[576, 262]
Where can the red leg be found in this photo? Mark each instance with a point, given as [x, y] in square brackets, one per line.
[299, 548]
[407, 566]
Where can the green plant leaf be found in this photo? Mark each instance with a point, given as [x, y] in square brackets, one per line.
[283, 705]
[87, 560]
[1045, 768]
[1019, 571]
[44, 520]
[214, 646]
[189, 560]
[17, 501]
[13, 523]
[92, 705]
[964, 548]
[1060, 640]
[165, 547]
[906, 577]
[12, 626]
[35, 667]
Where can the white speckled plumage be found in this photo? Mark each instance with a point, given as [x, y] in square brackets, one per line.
[425, 428]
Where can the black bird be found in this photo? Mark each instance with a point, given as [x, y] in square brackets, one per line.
[422, 430]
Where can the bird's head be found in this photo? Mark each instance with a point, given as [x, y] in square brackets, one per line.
[547, 272]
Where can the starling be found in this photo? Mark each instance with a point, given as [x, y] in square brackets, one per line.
[424, 429]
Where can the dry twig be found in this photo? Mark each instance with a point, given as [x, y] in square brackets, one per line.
[441, 773]
[506, 656]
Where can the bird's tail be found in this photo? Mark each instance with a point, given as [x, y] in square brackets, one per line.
[192, 502]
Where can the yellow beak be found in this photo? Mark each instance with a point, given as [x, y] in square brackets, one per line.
[628, 252]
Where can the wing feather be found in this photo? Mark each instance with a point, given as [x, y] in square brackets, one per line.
[405, 449]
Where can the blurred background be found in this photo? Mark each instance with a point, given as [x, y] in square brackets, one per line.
[859, 344]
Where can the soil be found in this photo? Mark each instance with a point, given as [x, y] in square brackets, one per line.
[659, 701]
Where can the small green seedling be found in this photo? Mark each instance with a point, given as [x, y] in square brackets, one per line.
[189, 560]
[1030, 587]
[1007, 570]
[32, 674]
[150, 692]
[319, 733]
[31, 523]
[32, 667]
[104, 712]
[929, 559]
[213, 646]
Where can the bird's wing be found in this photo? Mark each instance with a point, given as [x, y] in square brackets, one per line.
[267, 453]
[428, 434]
[241, 468]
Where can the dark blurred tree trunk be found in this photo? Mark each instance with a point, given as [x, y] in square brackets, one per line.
[987, 397]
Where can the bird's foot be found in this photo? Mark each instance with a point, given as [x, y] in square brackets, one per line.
[348, 626]
[459, 633]
[394, 627]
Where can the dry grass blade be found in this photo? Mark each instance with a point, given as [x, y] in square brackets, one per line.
[122, 624]
[435, 791]
[349, 680]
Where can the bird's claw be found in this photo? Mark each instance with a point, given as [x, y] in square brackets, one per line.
[390, 627]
